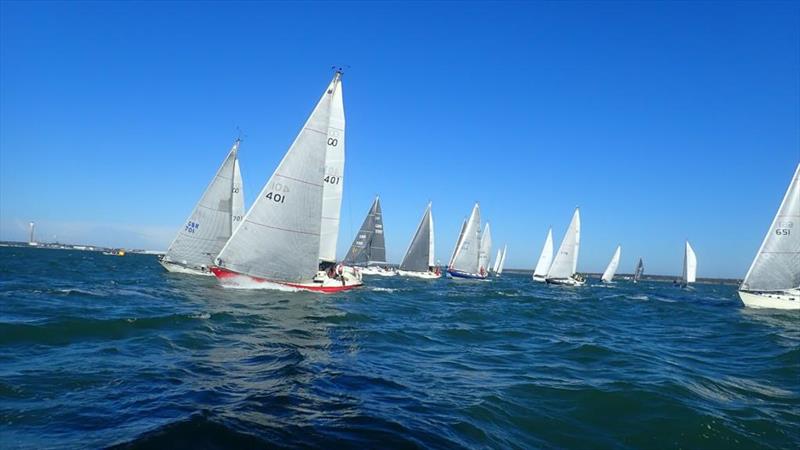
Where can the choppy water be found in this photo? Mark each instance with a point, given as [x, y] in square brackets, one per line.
[98, 350]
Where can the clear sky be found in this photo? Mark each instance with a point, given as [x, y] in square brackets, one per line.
[662, 121]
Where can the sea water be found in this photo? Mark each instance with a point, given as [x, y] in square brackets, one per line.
[99, 350]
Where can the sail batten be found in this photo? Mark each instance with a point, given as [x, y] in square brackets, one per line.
[776, 266]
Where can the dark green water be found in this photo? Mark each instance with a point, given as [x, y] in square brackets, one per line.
[98, 351]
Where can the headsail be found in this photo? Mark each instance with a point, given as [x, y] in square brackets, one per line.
[776, 266]
[689, 265]
[419, 257]
[608, 275]
[333, 179]
[209, 225]
[279, 239]
[458, 242]
[466, 255]
[237, 210]
[546, 257]
[486, 248]
[369, 246]
[565, 262]
[502, 261]
[639, 271]
[497, 260]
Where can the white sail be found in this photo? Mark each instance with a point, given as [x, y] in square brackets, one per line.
[209, 225]
[465, 258]
[333, 179]
[546, 257]
[502, 261]
[776, 266]
[431, 254]
[608, 275]
[458, 242]
[485, 248]
[237, 210]
[565, 263]
[497, 260]
[689, 265]
[279, 239]
[419, 256]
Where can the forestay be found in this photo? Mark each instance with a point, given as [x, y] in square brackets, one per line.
[209, 225]
[333, 180]
[608, 275]
[419, 257]
[546, 257]
[565, 262]
[465, 258]
[369, 245]
[776, 266]
[279, 239]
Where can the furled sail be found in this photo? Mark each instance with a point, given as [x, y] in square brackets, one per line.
[689, 265]
[546, 257]
[466, 255]
[279, 239]
[419, 257]
[209, 225]
[608, 275]
[776, 266]
[369, 246]
[565, 262]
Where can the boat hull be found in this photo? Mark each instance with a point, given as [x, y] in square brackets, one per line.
[229, 278]
[772, 300]
[539, 279]
[379, 271]
[464, 275]
[180, 268]
[565, 282]
[423, 275]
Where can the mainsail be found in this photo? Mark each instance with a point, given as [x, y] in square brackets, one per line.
[499, 269]
[369, 246]
[466, 255]
[279, 239]
[209, 225]
[333, 179]
[637, 274]
[458, 242]
[608, 275]
[237, 208]
[565, 263]
[689, 265]
[497, 260]
[776, 266]
[486, 248]
[546, 257]
[419, 257]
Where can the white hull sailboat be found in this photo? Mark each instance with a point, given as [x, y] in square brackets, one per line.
[611, 270]
[773, 280]
[563, 271]
[213, 219]
[498, 269]
[419, 259]
[689, 273]
[545, 259]
[368, 250]
[465, 264]
[287, 239]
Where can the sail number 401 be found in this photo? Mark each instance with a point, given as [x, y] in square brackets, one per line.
[278, 193]
[332, 179]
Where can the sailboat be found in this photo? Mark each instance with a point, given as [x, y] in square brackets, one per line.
[418, 261]
[465, 262]
[565, 264]
[689, 274]
[368, 251]
[496, 264]
[545, 259]
[498, 270]
[639, 271]
[211, 222]
[608, 275]
[485, 249]
[284, 239]
[773, 280]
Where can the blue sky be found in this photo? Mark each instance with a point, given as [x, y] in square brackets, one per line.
[662, 121]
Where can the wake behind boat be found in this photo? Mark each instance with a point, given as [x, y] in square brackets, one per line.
[773, 280]
[418, 261]
[284, 240]
[466, 260]
[218, 212]
[563, 271]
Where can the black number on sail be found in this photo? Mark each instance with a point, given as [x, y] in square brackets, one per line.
[277, 198]
[332, 180]
[235, 190]
[333, 142]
